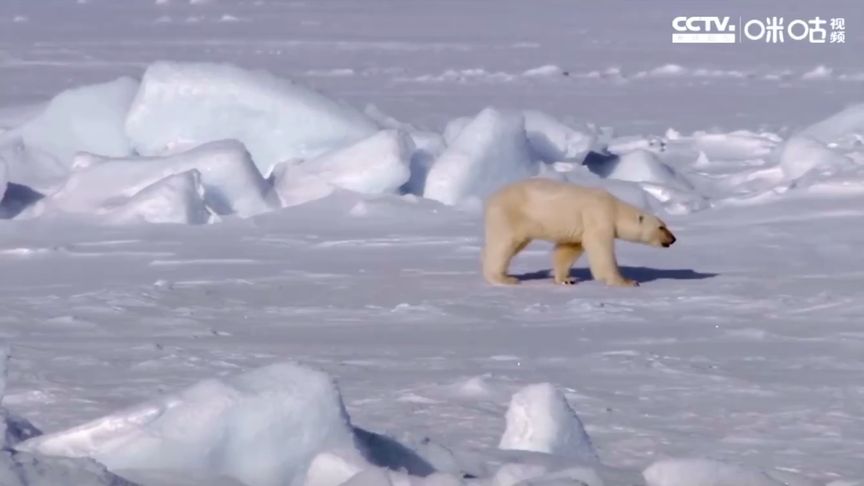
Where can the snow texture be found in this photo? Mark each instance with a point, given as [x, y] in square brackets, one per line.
[176, 199]
[330, 469]
[847, 122]
[86, 119]
[220, 175]
[186, 104]
[514, 474]
[630, 192]
[706, 472]
[454, 127]
[337, 466]
[262, 427]
[23, 469]
[489, 152]
[369, 477]
[13, 428]
[641, 166]
[801, 154]
[379, 164]
[294, 185]
[539, 419]
[31, 166]
[553, 141]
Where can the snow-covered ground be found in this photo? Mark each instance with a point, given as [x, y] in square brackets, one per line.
[328, 215]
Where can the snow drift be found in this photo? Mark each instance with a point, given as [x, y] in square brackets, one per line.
[262, 428]
[376, 165]
[849, 122]
[675, 194]
[295, 186]
[220, 175]
[86, 119]
[801, 154]
[379, 164]
[539, 419]
[32, 166]
[489, 152]
[186, 104]
[707, 472]
[24, 469]
[639, 166]
[519, 474]
[176, 199]
[630, 192]
[340, 469]
[554, 141]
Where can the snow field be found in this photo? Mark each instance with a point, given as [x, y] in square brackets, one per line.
[19, 468]
[705, 472]
[284, 424]
[756, 366]
[205, 117]
[552, 73]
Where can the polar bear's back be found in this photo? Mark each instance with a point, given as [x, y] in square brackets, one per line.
[546, 195]
[547, 209]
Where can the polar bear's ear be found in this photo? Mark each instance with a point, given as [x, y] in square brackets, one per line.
[641, 218]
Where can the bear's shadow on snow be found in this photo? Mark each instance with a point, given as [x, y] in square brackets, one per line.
[639, 274]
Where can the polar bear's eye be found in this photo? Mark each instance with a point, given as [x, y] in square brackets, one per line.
[641, 217]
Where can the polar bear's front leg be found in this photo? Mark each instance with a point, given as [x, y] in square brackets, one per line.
[604, 267]
[496, 260]
[562, 259]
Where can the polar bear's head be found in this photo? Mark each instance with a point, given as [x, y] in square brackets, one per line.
[645, 228]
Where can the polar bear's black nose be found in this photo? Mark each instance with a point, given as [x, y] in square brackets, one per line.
[669, 238]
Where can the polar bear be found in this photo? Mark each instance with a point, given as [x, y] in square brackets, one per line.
[573, 217]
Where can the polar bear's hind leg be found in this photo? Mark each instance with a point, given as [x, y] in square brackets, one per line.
[563, 257]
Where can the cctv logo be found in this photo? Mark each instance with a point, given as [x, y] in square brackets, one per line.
[703, 30]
